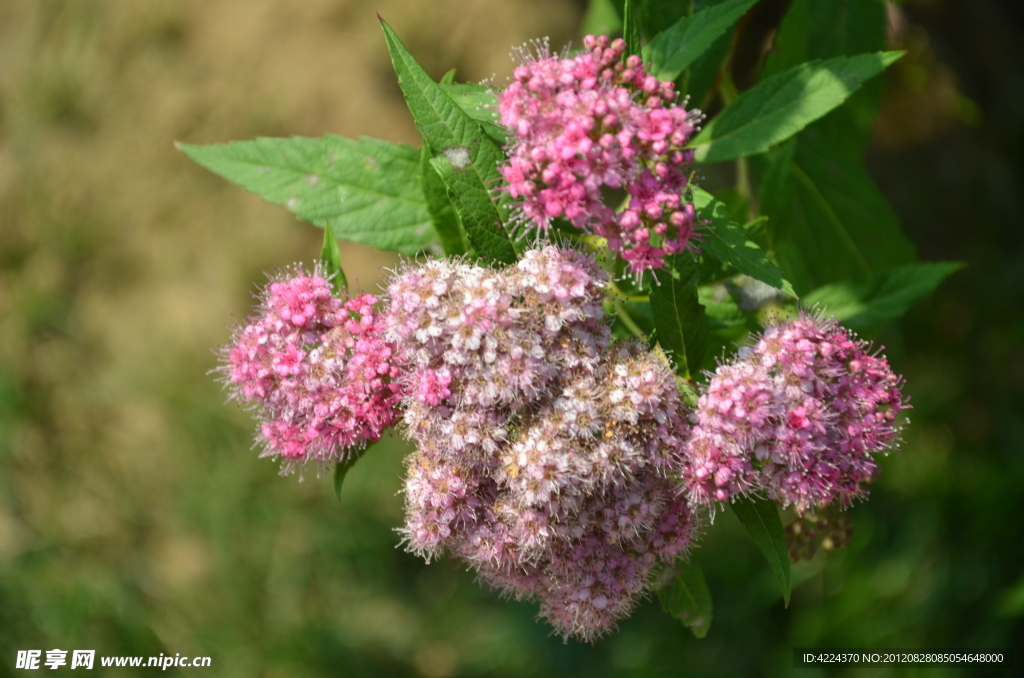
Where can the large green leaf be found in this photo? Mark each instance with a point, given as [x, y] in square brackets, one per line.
[820, 29]
[672, 51]
[832, 224]
[442, 211]
[761, 518]
[776, 109]
[367, 189]
[688, 599]
[813, 29]
[893, 292]
[679, 320]
[465, 158]
[728, 243]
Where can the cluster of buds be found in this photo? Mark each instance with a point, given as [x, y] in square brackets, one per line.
[547, 458]
[600, 121]
[798, 416]
[317, 369]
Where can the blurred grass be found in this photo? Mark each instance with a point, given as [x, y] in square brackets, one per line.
[135, 518]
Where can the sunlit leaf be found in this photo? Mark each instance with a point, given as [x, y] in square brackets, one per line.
[482, 105]
[813, 29]
[672, 51]
[464, 156]
[776, 109]
[367, 189]
[727, 241]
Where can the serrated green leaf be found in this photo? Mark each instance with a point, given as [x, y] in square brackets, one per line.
[482, 105]
[776, 109]
[728, 243]
[442, 211]
[813, 29]
[631, 28]
[688, 599]
[672, 51]
[367, 189]
[893, 292]
[833, 225]
[682, 327]
[331, 259]
[761, 518]
[657, 15]
[464, 156]
[342, 468]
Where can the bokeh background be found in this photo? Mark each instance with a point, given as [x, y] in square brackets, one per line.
[134, 517]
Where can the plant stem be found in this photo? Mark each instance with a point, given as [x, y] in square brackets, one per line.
[627, 320]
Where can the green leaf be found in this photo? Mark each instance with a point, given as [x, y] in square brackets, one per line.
[464, 156]
[729, 244]
[631, 28]
[688, 599]
[672, 51]
[657, 15]
[679, 320]
[831, 224]
[600, 19]
[761, 518]
[342, 468]
[446, 221]
[367, 189]
[776, 109]
[813, 29]
[482, 105]
[892, 293]
[331, 259]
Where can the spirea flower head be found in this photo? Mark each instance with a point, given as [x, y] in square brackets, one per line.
[799, 416]
[317, 369]
[545, 454]
[600, 121]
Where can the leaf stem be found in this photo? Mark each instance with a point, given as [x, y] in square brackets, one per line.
[623, 314]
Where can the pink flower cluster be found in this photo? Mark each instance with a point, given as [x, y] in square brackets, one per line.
[798, 416]
[317, 368]
[597, 121]
[546, 457]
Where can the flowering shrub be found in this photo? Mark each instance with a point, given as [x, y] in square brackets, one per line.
[569, 442]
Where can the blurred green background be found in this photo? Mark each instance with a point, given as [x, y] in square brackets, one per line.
[134, 517]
